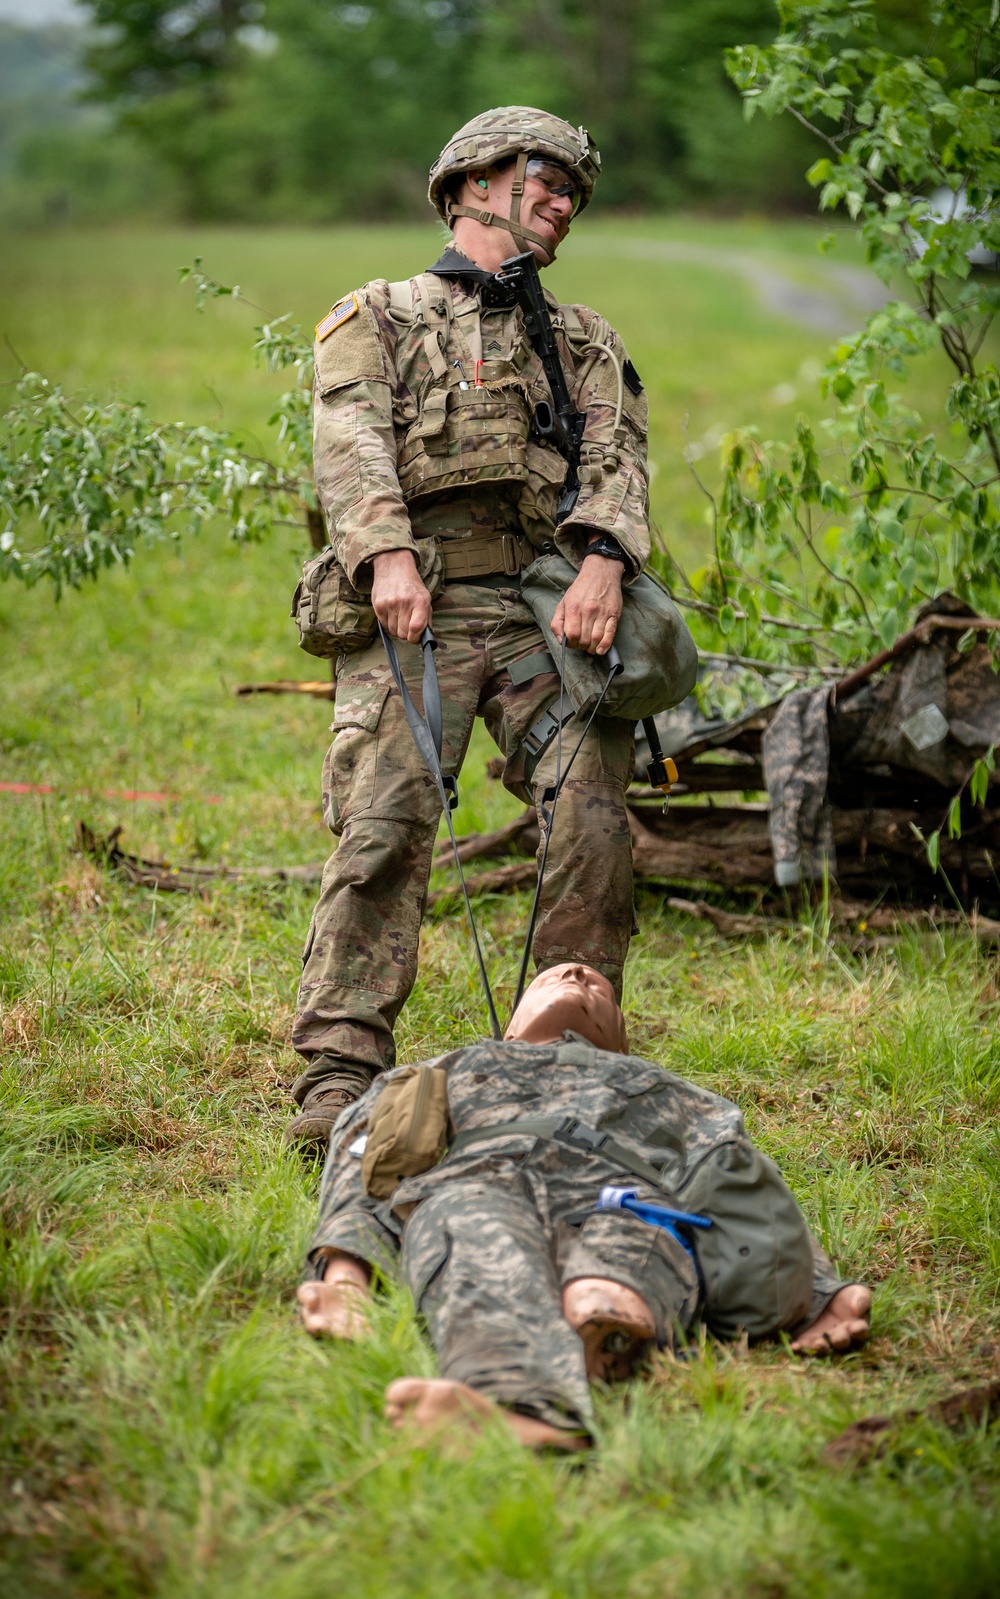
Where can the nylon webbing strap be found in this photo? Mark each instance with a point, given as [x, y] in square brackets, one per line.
[551, 795]
[428, 732]
[530, 666]
[566, 1130]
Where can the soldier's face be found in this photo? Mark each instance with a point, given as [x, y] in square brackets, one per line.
[569, 997]
[542, 210]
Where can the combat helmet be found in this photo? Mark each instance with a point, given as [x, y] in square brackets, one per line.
[494, 136]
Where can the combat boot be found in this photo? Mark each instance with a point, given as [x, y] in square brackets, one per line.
[311, 1128]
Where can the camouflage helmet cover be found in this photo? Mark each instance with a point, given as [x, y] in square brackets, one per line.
[514, 130]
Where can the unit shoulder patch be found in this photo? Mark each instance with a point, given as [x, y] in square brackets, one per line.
[335, 318]
[631, 377]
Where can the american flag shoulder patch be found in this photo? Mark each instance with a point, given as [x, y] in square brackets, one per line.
[342, 312]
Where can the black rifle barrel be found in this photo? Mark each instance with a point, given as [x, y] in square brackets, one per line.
[564, 427]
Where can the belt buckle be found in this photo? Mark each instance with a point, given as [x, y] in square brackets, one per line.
[578, 1136]
[510, 549]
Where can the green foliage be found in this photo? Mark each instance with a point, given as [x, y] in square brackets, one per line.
[290, 109]
[166, 1429]
[83, 483]
[96, 479]
[854, 524]
[159, 45]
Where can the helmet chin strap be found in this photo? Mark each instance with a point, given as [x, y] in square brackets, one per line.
[512, 224]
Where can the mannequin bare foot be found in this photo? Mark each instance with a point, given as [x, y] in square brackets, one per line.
[432, 1406]
[615, 1324]
[843, 1325]
[337, 1307]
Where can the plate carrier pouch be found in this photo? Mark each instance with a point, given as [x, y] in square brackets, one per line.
[335, 618]
[408, 1129]
[659, 658]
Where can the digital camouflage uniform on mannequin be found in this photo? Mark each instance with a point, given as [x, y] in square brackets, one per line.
[497, 1230]
[424, 440]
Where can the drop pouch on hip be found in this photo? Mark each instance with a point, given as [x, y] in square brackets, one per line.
[335, 618]
[659, 659]
[756, 1258]
[408, 1129]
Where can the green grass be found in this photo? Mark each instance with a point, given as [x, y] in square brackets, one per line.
[167, 1429]
[99, 311]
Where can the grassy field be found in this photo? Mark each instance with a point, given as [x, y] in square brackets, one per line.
[167, 1428]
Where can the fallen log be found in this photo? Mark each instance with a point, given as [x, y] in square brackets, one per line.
[725, 844]
[849, 917]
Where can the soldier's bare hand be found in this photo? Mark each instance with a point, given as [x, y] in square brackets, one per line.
[589, 612]
[399, 596]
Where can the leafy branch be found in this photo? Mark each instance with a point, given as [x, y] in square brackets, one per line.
[83, 485]
[852, 524]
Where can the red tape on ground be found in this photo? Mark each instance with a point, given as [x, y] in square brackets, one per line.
[109, 793]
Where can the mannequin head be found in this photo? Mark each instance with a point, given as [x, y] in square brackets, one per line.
[573, 998]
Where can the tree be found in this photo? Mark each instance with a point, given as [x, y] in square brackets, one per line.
[288, 108]
[823, 546]
[153, 47]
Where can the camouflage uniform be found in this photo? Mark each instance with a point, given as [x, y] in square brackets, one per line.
[503, 1224]
[407, 449]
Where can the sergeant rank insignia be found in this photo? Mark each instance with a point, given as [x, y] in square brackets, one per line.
[342, 312]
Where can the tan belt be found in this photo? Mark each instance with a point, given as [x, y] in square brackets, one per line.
[484, 556]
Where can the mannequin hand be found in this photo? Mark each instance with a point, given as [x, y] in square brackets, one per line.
[589, 612]
[399, 597]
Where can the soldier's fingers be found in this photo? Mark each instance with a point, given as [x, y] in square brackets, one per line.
[419, 618]
[573, 631]
[559, 621]
[407, 626]
[592, 618]
[607, 638]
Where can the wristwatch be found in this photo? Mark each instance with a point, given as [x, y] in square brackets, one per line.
[610, 548]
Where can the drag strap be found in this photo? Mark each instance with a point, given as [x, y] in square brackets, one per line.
[427, 730]
[428, 735]
[547, 806]
[566, 1130]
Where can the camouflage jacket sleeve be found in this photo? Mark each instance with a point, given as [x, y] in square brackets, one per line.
[614, 492]
[354, 445]
[349, 1219]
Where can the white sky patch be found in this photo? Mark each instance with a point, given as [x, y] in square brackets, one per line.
[39, 13]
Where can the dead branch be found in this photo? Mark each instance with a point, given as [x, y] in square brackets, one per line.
[286, 685]
[917, 635]
[502, 881]
[725, 922]
[519, 837]
[167, 879]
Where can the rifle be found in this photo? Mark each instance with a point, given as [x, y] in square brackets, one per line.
[560, 423]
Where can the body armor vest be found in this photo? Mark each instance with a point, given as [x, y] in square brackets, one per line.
[468, 421]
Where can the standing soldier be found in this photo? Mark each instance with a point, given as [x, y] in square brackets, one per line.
[438, 487]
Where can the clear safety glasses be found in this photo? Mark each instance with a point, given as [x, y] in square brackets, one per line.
[557, 179]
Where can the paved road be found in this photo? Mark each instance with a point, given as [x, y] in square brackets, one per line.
[852, 294]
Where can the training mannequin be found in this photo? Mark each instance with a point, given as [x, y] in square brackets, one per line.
[527, 1289]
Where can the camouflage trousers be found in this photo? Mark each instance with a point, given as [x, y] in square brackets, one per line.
[360, 960]
[486, 1261]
